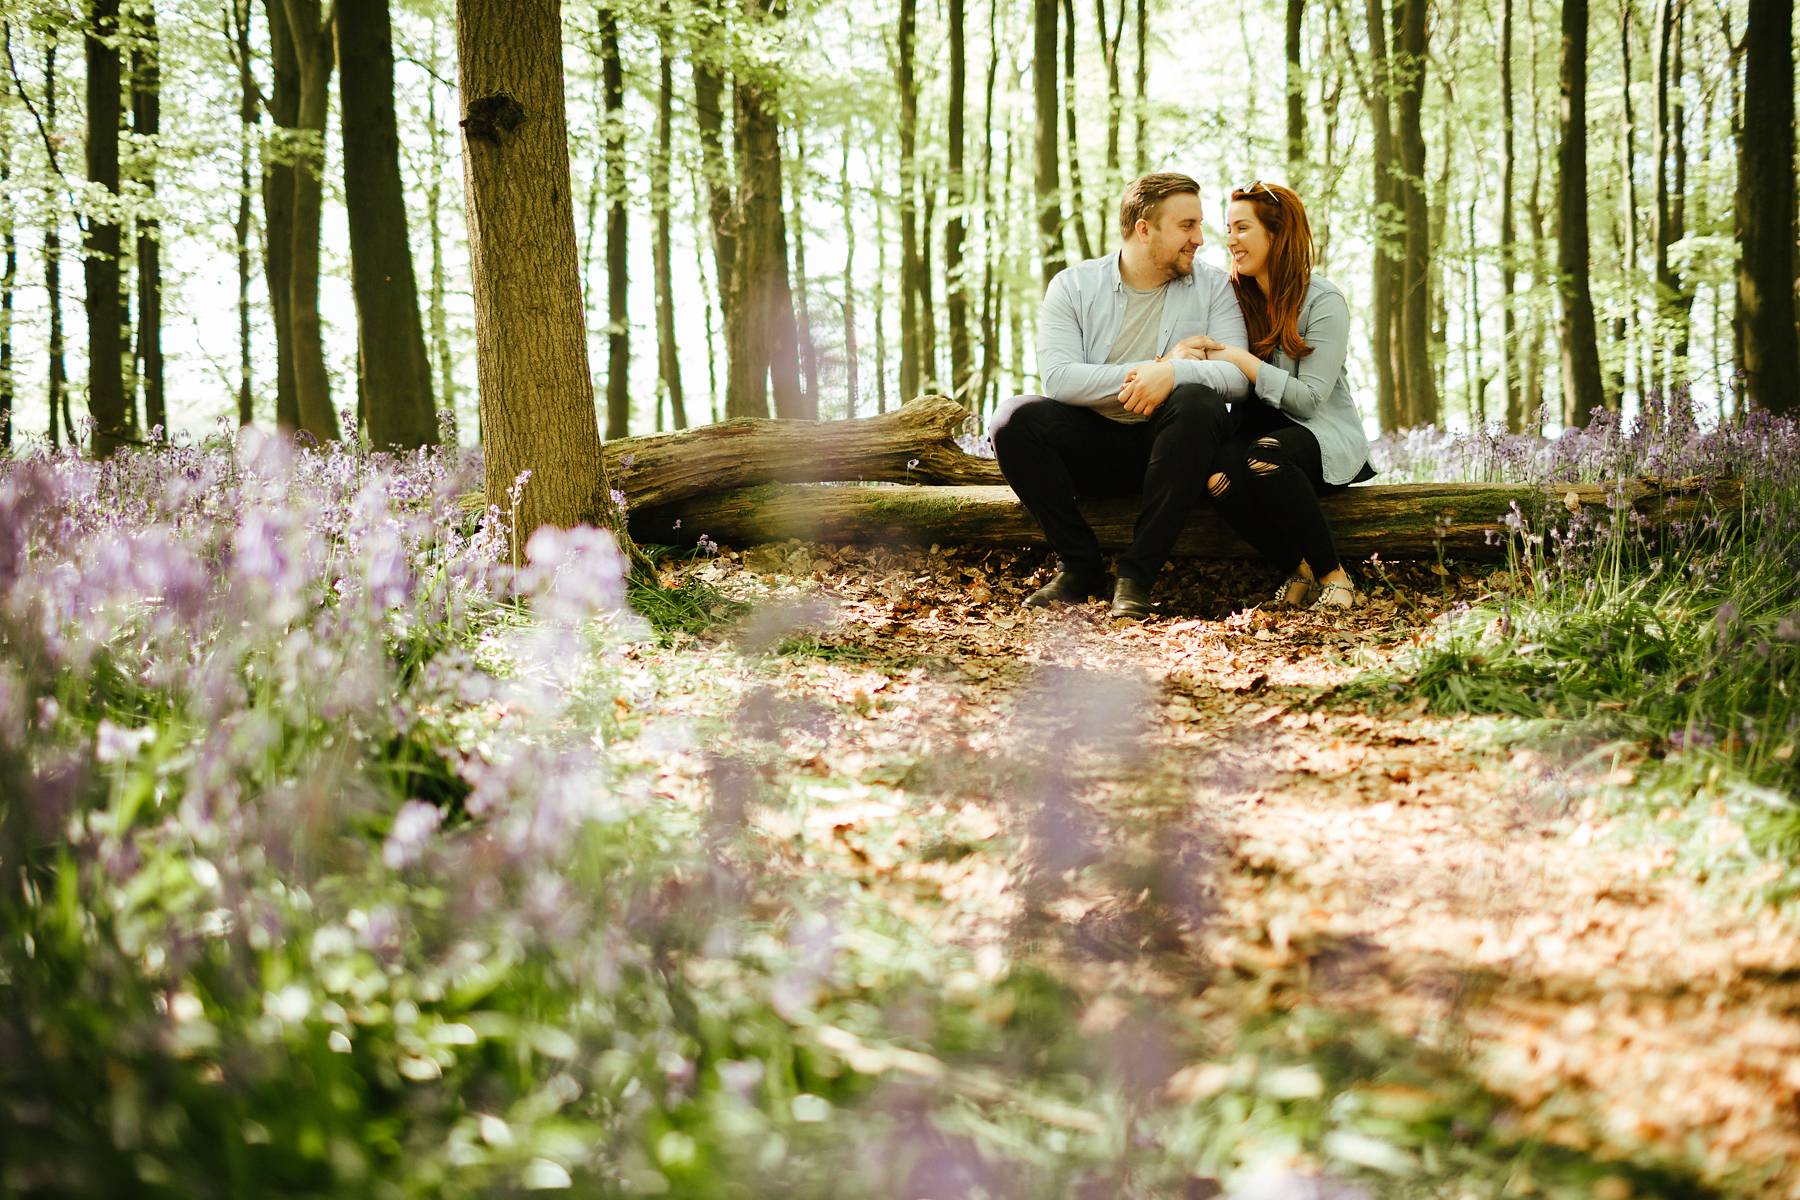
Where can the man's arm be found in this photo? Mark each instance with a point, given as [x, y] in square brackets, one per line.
[1064, 375]
[1224, 324]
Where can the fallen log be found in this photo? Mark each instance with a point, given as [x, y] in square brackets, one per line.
[1397, 521]
[913, 444]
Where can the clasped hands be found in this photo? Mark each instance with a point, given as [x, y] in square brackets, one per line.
[1146, 387]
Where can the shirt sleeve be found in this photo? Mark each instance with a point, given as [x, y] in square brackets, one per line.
[1062, 372]
[1302, 392]
[1225, 324]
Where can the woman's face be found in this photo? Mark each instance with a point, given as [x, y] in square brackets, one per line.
[1246, 239]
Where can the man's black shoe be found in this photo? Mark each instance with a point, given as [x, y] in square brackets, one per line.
[1067, 588]
[1131, 600]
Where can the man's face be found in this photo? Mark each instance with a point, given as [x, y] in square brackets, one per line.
[1175, 235]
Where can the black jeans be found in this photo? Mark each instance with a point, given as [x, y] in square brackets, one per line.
[1266, 482]
[1050, 452]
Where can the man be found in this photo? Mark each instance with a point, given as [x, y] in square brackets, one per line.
[1115, 417]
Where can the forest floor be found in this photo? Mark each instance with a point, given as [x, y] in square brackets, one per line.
[1501, 905]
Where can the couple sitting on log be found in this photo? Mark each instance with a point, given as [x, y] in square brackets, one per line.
[1170, 378]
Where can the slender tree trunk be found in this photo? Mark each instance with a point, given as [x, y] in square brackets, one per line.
[1385, 274]
[956, 285]
[1682, 311]
[1076, 209]
[1051, 253]
[1296, 95]
[434, 205]
[618, 290]
[1420, 383]
[57, 382]
[1110, 41]
[1765, 210]
[851, 357]
[537, 397]
[249, 116]
[702, 223]
[808, 348]
[912, 370]
[1623, 326]
[9, 278]
[311, 38]
[106, 381]
[146, 123]
[661, 163]
[395, 369]
[1583, 395]
[1664, 231]
[989, 348]
[1532, 397]
[279, 189]
[1141, 111]
[709, 119]
[881, 275]
[1509, 251]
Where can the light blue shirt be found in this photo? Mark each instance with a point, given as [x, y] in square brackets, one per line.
[1080, 320]
[1315, 392]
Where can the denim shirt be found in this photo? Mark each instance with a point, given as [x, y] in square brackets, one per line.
[1080, 319]
[1315, 392]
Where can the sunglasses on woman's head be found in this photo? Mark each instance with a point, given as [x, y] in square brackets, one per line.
[1258, 184]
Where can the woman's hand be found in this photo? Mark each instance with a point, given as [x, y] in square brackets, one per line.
[1198, 347]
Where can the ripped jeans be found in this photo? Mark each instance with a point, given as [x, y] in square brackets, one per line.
[1266, 482]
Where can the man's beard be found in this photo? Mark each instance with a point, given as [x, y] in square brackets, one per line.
[1180, 266]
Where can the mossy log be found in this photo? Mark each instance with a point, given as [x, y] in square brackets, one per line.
[1397, 521]
[913, 444]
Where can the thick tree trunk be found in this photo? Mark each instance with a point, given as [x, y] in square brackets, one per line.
[1051, 254]
[912, 371]
[618, 289]
[1071, 101]
[668, 361]
[279, 171]
[1583, 395]
[395, 370]
[537, 397]
[1296, 95]
[146, 123]
[106, 379]
[1765, 210]
[1418, 383]
[249, 116]
[1405, 521]
[1509, 251]
[956, 285]
[313, 49]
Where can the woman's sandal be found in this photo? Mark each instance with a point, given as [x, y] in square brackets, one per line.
[1337, 596]
[1284, 595]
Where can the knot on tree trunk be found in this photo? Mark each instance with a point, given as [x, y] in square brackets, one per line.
[493, 118]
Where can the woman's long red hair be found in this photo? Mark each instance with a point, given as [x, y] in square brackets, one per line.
[1273, 321]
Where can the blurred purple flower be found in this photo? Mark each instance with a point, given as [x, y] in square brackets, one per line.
[413, 828]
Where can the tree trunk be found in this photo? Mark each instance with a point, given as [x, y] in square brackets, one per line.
[537, 397]
[928, 358]
[1765, 210]
[618, 290]
[668, 361]
[1051, 254]
[1296, 95]
[434, 189]
[709, 119]
[312, 42]
[396, 372]
[1141, 113]
[911, 367]
[146, 123]
[279, 171]
[1418, 383]
[881, 275]
[1110, 41]
[849, 286]
[808, 348]
[1385, 274]
[990, 348]
[249, 116]
[9, 278]
[1402, 521]
[1077, 200]
[1509, 266]
[1623, 326]
[956, 285]
[106, 380]
[1583, 395]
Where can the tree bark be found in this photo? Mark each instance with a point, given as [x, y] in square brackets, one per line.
[1051, 253]
[808, 348]
[709, 119]
[1077, 201]
[310, 35]
[9, 278]
[106, 380]
[146, 123]
[395, 370]
[1765, 210]
[881, 275]
[661, 163]
[1110, 42]
[1419, 383]
[434, 189]
[1384, 296]
[851, 358]
[249, 116]
[912, 370]
[279, 171]
[956, 285]
[1509, 251]
[57, 380]
[537, 397]
[1404, 521]
[1583, 395]
[1141, 112]
[618, 289]
[1296, 95]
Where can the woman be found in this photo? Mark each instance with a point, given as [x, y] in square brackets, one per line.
[1298, 433]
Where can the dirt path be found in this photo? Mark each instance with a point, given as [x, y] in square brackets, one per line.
[979, 767]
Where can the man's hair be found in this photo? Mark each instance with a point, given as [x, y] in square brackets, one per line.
[1145, 194]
